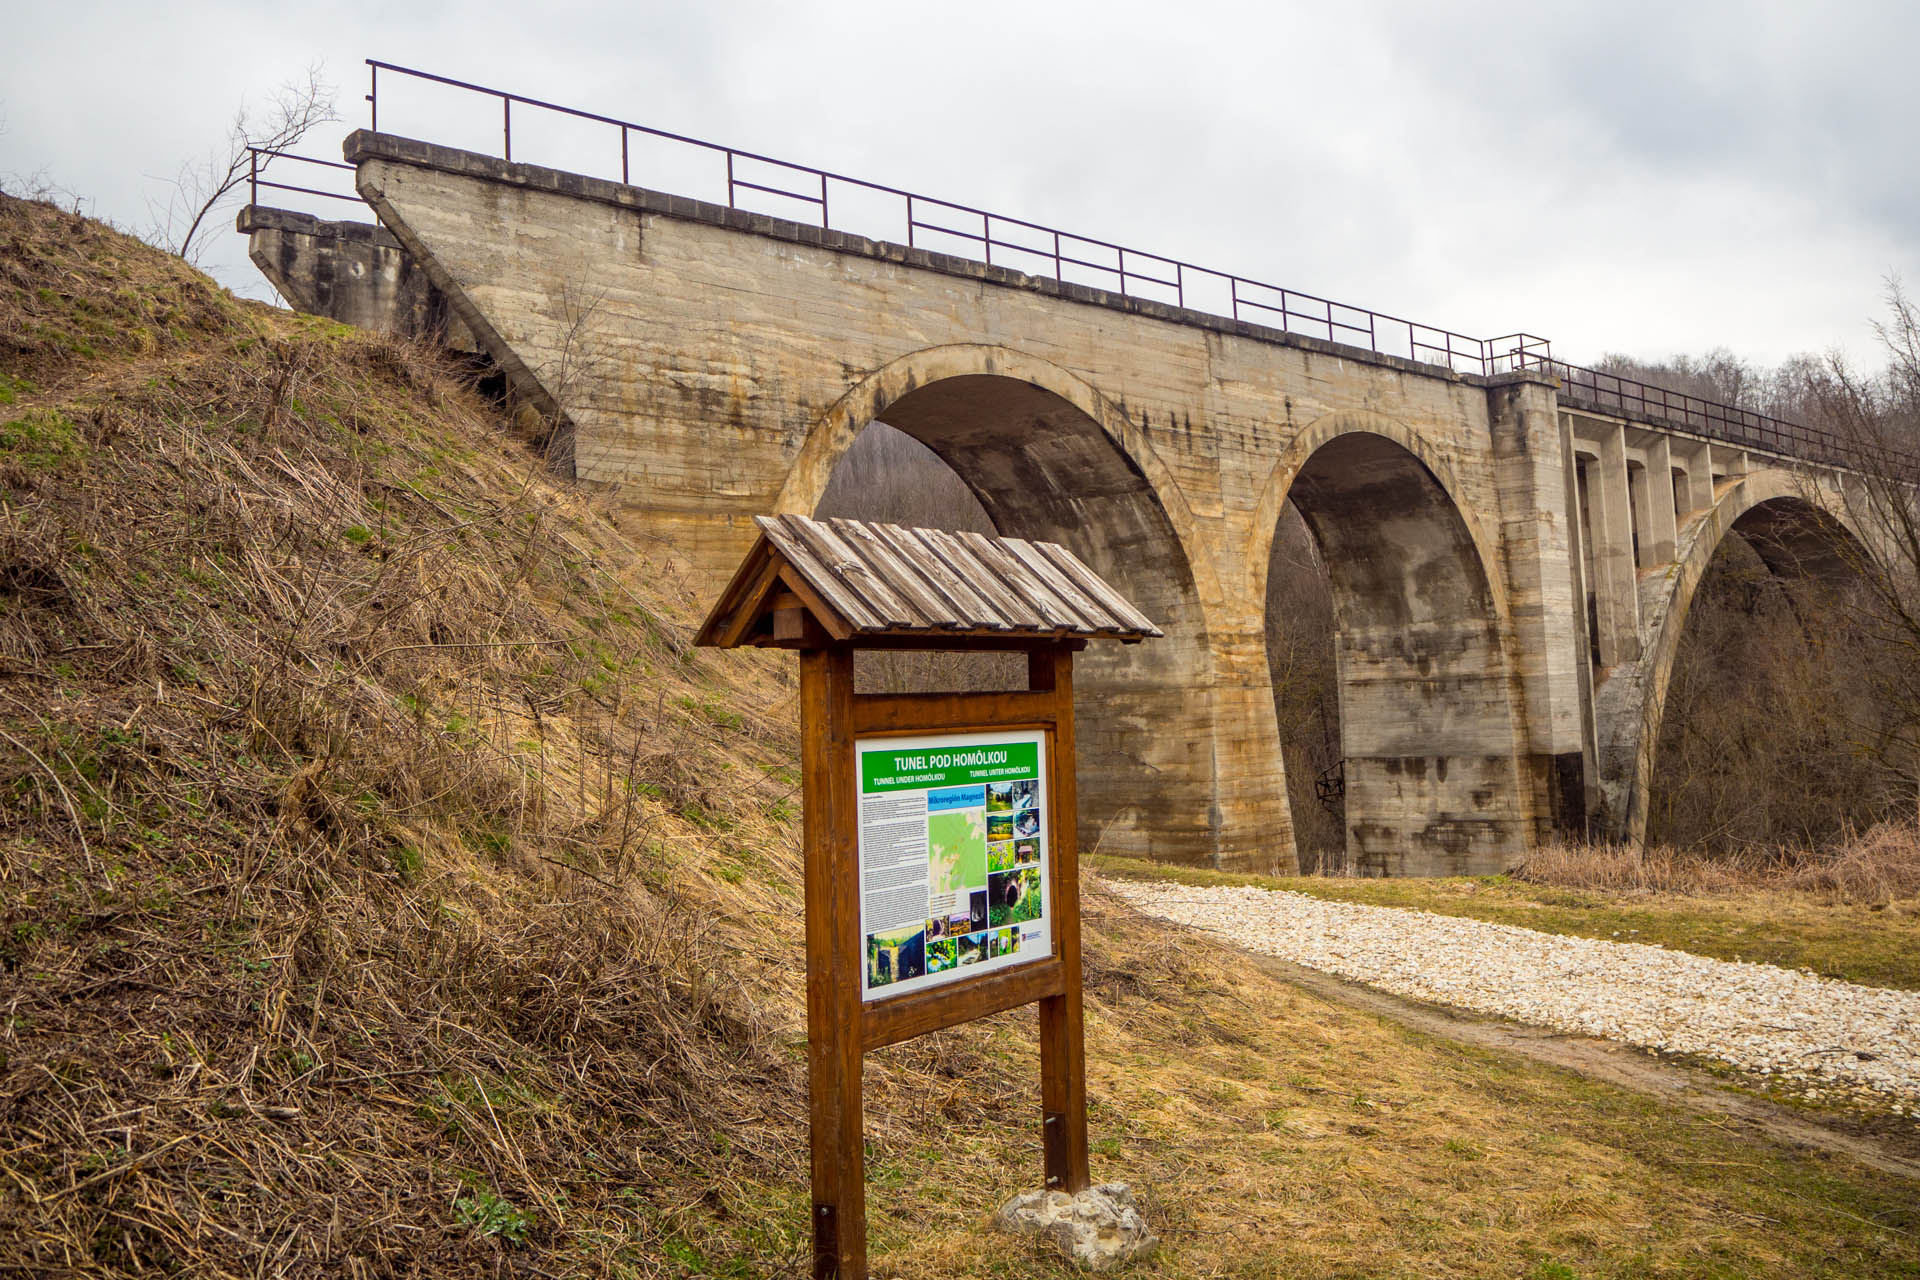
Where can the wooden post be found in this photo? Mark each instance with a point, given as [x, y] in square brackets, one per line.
[826, 590]
[835, 1047]
[1063, 1070]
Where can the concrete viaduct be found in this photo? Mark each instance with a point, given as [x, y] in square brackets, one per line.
[1512, 561]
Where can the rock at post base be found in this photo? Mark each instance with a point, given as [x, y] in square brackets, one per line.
[1099, 1228]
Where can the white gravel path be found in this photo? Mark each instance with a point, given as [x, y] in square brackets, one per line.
[1819, 1035]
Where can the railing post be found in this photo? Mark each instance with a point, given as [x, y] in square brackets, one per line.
[825, 222]
[626, 178]
[506, 124]
[909, 222]
[253, 176]
[1059, 270]
[373, 96]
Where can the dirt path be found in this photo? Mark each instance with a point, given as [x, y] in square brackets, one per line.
[1894, 1150]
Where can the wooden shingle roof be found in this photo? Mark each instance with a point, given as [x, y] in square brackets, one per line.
[864, 581]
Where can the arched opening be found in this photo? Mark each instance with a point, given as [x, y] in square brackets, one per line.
[1035, 465]
[1772, 727]
[1425, 717]
[1300, 633]
[888, 475]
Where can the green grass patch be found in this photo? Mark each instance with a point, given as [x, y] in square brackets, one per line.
[490, 1215]
[41, 439]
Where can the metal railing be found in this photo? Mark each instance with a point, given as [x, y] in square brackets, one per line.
[259, 159]
[1037, 249]
[1723, 422]
[1031, 247]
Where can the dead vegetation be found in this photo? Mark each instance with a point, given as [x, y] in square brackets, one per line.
[1879, 866]
[1777, 734]
[364, 810]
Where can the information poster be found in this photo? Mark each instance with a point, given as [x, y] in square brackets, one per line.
[953, 857]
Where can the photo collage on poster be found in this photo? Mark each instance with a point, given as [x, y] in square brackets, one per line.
[952, 856]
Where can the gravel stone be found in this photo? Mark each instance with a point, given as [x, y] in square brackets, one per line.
[1099, 1228]
[1823, 1037]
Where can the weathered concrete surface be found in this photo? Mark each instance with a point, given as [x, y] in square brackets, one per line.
[1800, 519]
[353, 272]
[1510, 571]
[716, 364]
[1536, 470]
[1427, 709]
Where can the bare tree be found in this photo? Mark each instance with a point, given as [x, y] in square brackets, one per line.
[297, 107]
[1878, 418]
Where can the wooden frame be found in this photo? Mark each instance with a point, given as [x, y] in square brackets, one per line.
[827, 589]
[841, 1028]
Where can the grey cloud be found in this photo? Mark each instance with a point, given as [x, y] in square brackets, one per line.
[1808, 99]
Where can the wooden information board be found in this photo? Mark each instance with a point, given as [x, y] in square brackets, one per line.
[953, 857]
[942, 869]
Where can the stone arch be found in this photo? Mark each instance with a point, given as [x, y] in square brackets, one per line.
[1429, 702]
[1796, 529]
[1322, 431]
[870, 399]
[1050, 457]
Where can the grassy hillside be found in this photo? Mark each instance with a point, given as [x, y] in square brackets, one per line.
[366, 813]
[387, 889]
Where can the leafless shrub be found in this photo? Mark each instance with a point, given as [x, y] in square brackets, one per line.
[299, 106]
[1772, 709]
[579, 362]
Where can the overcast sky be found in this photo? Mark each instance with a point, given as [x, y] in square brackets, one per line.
[1648, 178]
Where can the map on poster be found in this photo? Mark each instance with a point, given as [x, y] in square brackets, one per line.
[952, 857]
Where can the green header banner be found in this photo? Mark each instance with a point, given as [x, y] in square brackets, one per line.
[920, 768]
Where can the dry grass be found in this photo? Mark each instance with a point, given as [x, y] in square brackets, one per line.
[385, 889]
[1881, 866]
[1275, 1134]
[366, 813]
